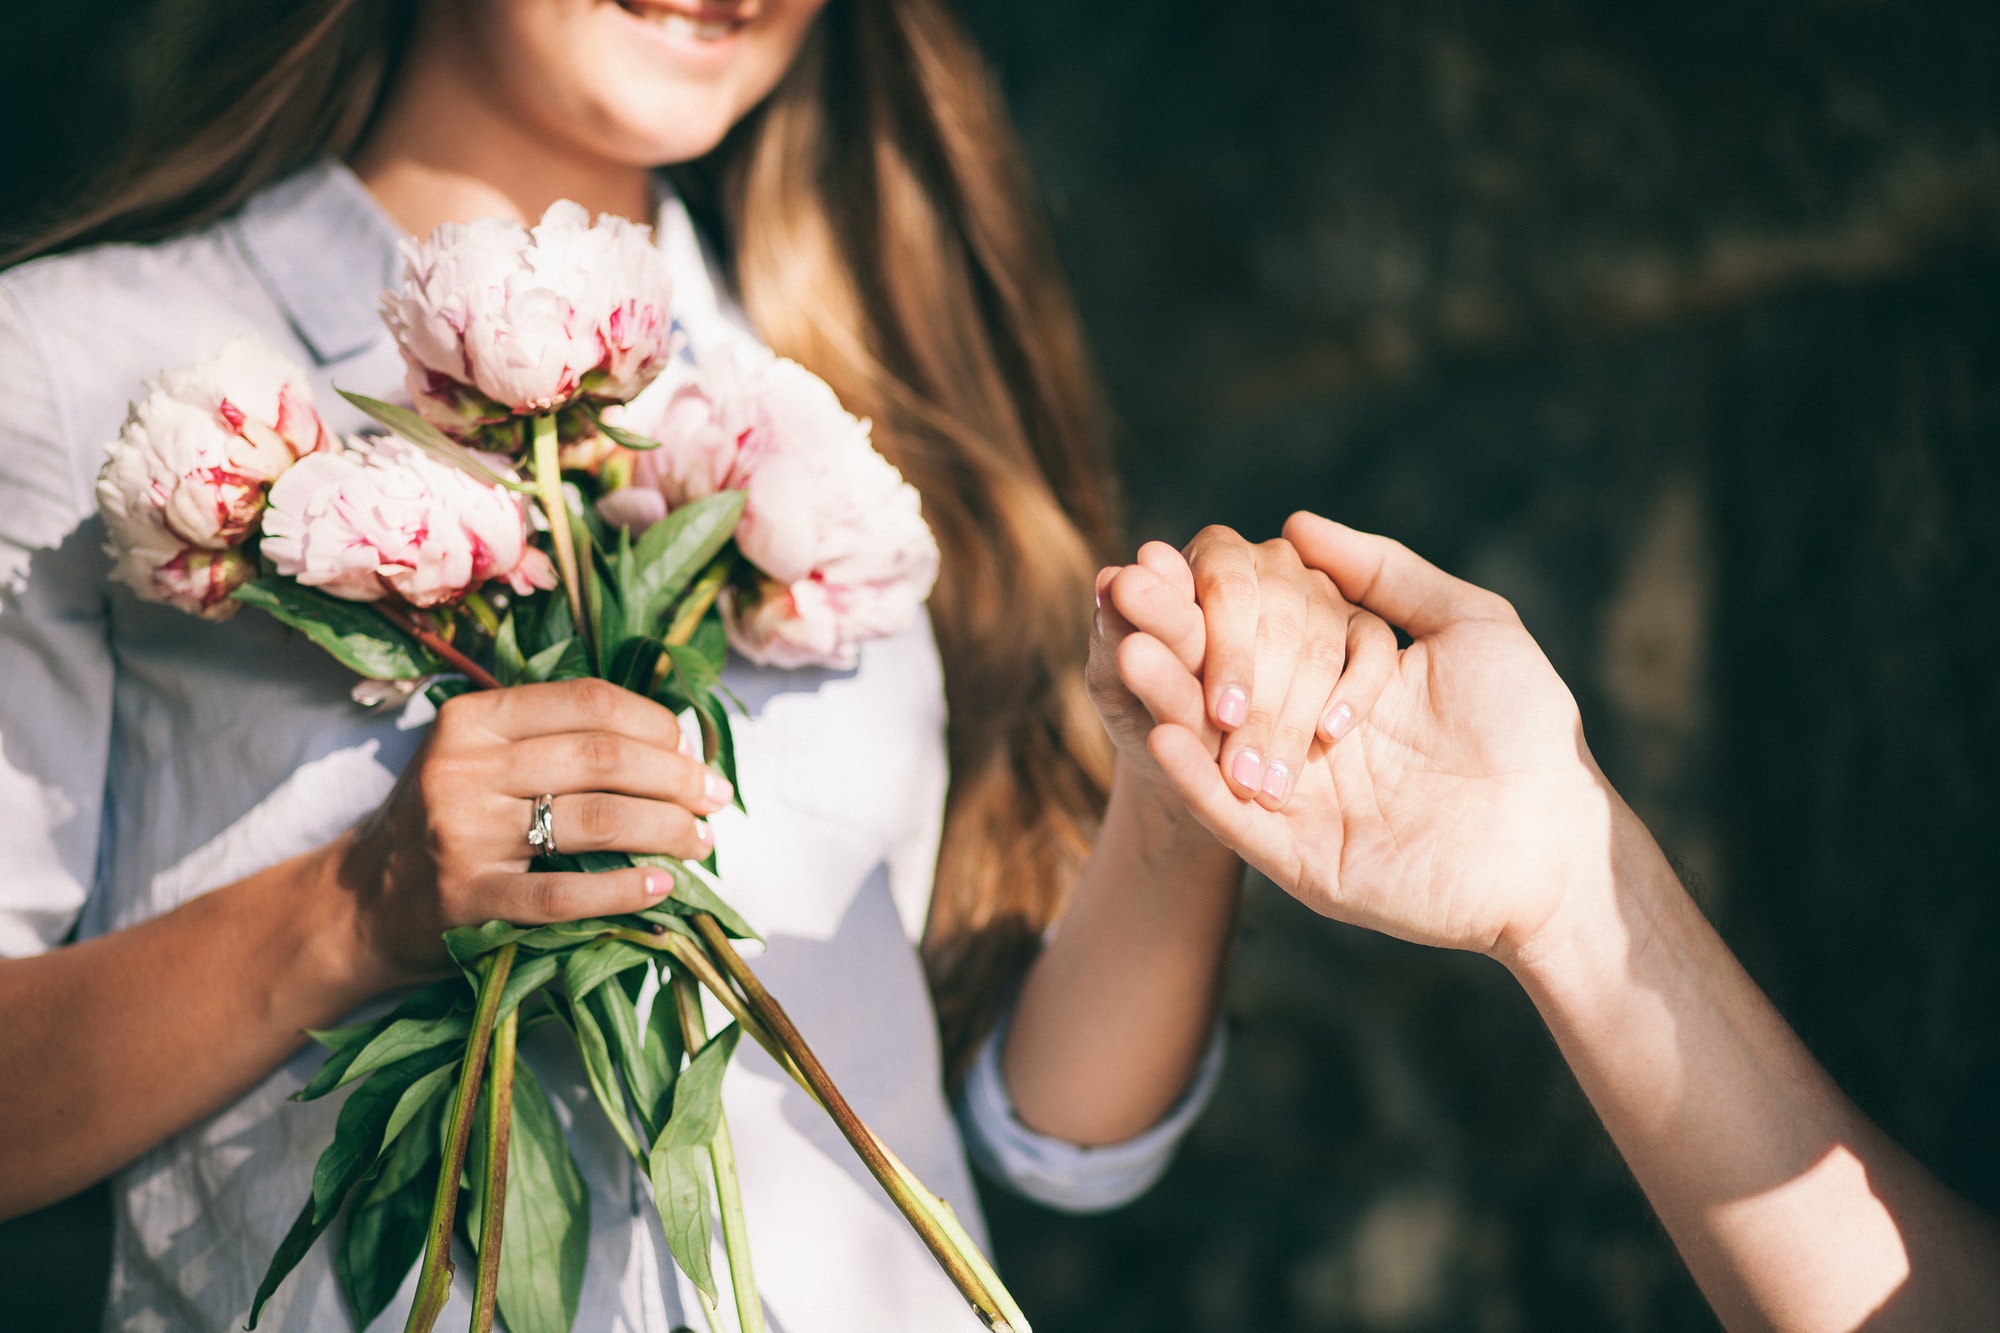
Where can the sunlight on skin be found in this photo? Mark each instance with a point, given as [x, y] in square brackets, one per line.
[1835, 1190]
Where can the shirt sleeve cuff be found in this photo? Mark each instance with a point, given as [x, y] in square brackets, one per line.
[1064, 1175]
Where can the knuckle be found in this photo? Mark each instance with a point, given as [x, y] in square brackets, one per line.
[1282, 628]
[1288, 741]
[1230, 585]
[548, 898]
[1324, 656]
[597, 821]
[598, 700]
[599, 753]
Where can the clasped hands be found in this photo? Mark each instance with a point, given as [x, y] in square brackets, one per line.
[1439, 792]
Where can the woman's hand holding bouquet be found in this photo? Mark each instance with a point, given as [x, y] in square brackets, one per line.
[564, 588]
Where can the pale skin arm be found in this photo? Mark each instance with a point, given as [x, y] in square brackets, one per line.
[1115, 1013]
[1466, 812]
[113, 1045]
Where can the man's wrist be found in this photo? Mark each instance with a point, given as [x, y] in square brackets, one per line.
[1610, 912]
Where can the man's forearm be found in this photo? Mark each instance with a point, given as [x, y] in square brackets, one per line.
[1792, 1211]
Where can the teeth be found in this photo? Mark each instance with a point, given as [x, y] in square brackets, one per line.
[700, 30]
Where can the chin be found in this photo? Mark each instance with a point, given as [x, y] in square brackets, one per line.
[663, 131]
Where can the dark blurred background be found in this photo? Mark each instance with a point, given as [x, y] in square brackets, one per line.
[1677, 322]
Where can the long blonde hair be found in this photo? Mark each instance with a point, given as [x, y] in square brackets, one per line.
[880, 227]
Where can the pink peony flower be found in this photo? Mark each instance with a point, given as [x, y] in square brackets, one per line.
[836, 532]
[187, 478]
[383, 518]
[496, 320]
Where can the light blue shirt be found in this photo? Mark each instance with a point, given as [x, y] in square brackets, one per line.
[147, 757]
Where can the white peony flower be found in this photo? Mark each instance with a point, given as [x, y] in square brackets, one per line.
[836, 532]
[497, 320]
[186, 480]
[383, 518]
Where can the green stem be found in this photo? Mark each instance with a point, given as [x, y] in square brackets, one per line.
[722, 1153]
[434, 1282]
[477, 607]
[700, 596]
[943, 1246]
[555, 508]
[499, 1134]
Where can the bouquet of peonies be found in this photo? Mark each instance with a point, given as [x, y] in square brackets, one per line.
[510, 528]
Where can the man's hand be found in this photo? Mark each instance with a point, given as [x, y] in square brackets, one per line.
[1463, 808]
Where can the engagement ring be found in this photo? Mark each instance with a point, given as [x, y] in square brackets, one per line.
[542, 830]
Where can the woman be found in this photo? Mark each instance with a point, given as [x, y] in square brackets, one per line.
[244, 853]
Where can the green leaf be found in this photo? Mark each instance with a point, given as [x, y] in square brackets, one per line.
[550, 627]
[660, 1060]
[698, 675]
[530, 974]
[680, 1189]
[618, 1018]
[594, 964]
[698, 1093]
[545, 1238]
[597, 1063]
[359, 1137]
[564, 660]
[354, 632]
[626, 439]
[679, 1163]
[406, 1037]
[441, 691]
[384, 1233]
[675, 549]
[431, 440]
[633, 665]
[433, 1001]
[508, 664]
[467, 944]
[719, 744]
[692, 895]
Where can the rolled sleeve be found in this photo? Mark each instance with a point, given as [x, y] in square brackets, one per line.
[1065, 1175]
[55, 662]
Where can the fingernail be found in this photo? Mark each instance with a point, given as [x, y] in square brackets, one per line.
[716, 788]
[1277, 781]
[656, 886]
[1233, 708]
[688, 745]
[1248, 769]
[703, 832]
[1339, 719]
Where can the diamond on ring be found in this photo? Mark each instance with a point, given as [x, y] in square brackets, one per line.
[542, 829]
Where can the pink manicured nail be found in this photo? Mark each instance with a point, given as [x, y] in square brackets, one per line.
[656, 886]
[1277, 781]
[1248, 769]
[688, 745]
[1338, 720]
[1233, 708]
[716, 788]
[702, 831]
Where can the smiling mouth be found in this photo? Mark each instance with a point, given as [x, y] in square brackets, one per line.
[699, 22]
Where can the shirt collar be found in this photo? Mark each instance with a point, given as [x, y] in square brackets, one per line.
[325, 251]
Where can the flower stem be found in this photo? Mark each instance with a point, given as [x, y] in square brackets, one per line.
[722, 1155]
[943, 1246]
[477, 607]
[701, 595]
[555, 508]
[412, 624]
[499, 1134]
[434, 1282]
